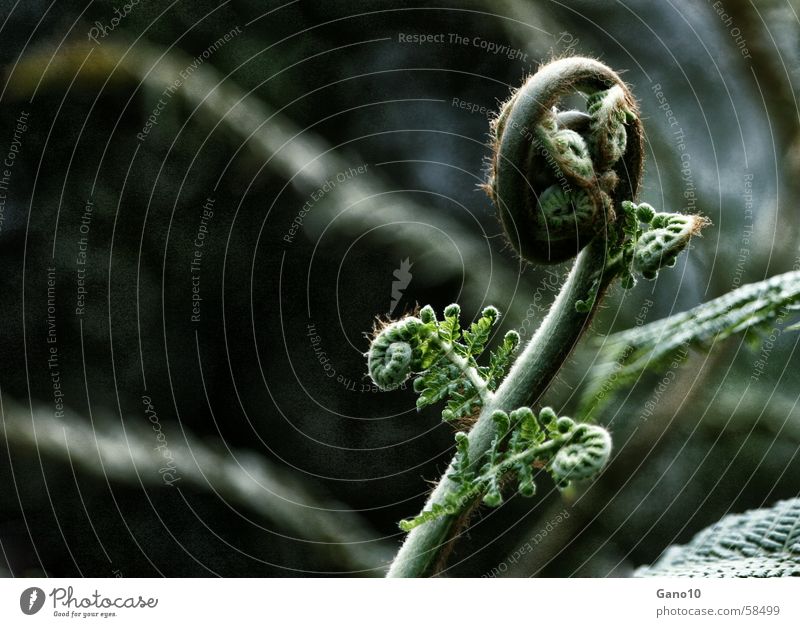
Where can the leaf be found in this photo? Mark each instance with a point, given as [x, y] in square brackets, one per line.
[500, 359]
[758, 543]
[625, 356]
[477, 335]
[450, 327]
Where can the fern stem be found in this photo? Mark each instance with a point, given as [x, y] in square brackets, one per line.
[530, 454]
[527, 380]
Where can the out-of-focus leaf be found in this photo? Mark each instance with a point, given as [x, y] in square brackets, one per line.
[625, 356]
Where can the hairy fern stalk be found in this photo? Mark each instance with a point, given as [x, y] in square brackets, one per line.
[564, 184]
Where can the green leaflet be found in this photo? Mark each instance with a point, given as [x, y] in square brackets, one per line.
[759, 543]
[625, 355]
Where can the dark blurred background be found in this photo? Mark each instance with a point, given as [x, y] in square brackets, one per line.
[329, 162]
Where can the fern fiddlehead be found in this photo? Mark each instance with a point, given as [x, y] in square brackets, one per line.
[445, 356]
[584, 456]
[396, 352]
[587, 161]
[563, 183]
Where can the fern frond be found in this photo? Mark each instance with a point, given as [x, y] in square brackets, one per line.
[626, 355]
[522, 443]
[759, 543]
[443, 357]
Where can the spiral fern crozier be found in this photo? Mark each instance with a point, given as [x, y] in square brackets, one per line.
[589, 162]
[396, 352]
[585, 455]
